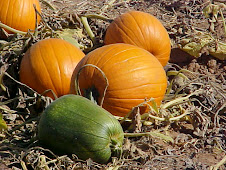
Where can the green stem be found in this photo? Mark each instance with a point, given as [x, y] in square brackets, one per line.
[179, 117]
[96, 16]
[77, 88]
[49, 90]
[177, 73]
[88, 29]
[105, 7]
[178, 100]
[169, 119]
[12, 29]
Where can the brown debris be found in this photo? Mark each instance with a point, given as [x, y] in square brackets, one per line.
[199, 136]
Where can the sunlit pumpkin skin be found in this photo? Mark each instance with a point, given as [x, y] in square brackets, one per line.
[19, 14]
[49, 64]
[143, 30]
[132, 72]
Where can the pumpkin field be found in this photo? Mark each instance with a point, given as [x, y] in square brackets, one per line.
[112, 84]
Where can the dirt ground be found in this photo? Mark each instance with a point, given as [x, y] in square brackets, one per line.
[192, 141]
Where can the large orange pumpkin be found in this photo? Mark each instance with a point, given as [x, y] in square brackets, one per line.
[19, 14]
[143, 30]
[133, 75]
[49, 64]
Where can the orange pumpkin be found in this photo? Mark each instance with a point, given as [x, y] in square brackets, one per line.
[49, 64]
[133, 75]
[143, 30]
[19, 14]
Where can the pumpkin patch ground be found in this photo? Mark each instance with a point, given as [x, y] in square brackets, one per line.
[187, 131]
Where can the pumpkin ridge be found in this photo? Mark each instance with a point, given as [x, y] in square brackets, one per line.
[31, 6]
[161, 44]
[97, 62]
[125, 108]
[134, 87]
[7, 11]
[28, 69]
[152, 31]
[128, 28]
[91, 151]
[128, 59]
[131, 58]
[108, 115]
[93, 134]
[93, 120]
[162, 54]
[114, 98]
[104, 54]
[58, 66]
[50, 77]
[30, 66]
[20, 13]
[123, 51]
[124, 32]
[112, 57]
[140, 30]
[70, 56]
[110, 34]
[120, 52]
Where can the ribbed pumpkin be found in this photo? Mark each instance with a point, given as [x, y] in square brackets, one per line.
[49, 64]
[74, 125]
[133, 75]
[143, 30]
[19, 14]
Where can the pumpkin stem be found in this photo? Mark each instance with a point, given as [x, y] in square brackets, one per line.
[92, 92]
[51, 91]
[116, 148]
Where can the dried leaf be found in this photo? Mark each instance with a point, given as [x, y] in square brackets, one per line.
[219, 51]
[213, 9]
[166, 138]
[70, 34]
[195, 44]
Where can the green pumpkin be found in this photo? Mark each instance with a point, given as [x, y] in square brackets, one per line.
[74, 125]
